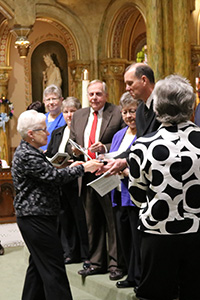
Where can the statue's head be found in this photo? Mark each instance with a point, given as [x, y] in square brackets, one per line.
[48, 59]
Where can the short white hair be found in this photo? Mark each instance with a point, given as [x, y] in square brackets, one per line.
[29, 120]
[174, 99]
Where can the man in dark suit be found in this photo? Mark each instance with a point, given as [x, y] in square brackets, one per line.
[139, 80]
[99, 214]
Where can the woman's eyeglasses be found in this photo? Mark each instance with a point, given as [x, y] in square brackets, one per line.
[131, 112]
[41, 129]
[51, 99]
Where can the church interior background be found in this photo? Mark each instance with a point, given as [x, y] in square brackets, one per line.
[103, 36]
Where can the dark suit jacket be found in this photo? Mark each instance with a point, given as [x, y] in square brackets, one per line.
[146, 121]
[55, 141]
[111, 123]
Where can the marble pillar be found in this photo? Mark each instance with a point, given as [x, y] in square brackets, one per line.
[168, 41]
[154, 19]
[182, 50]
[168, 38]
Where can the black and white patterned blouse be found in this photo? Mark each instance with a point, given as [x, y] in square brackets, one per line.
[37, 183]
[165, 179]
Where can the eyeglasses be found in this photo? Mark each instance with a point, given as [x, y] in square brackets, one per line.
[131, 112]
[41, 129]
[98, 94]
[51, 99]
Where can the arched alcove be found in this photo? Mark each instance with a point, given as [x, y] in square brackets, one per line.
[45, 36]
[124, 31]
[38, 66]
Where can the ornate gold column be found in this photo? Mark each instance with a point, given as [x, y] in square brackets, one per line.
[168, 41]
[182, 50]
[76, 69]
[112, 72]
[4, 136]
[154, 20]
[168, 37]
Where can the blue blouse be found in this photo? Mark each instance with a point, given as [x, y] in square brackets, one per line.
[51, 126]
[125, 196]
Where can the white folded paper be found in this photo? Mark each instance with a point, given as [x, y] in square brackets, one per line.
[74, 144]
[104, 185]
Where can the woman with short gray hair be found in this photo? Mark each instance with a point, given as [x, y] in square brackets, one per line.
[164, 183]
[52, 97]
[37, 204]
[174, 100]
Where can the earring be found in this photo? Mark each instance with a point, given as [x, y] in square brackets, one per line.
[32, 140]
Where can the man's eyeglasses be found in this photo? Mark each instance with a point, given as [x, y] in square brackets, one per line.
[51, 99]
[41, 129]
[98, 94]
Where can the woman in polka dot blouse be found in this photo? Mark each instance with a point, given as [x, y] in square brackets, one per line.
[164, 182]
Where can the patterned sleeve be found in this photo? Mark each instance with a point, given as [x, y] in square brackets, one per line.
[34, 165]
[138, 184]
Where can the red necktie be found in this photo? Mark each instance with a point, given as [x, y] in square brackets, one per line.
[92, 135]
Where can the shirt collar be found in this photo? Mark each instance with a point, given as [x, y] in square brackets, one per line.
[100, 112]
[149, 100]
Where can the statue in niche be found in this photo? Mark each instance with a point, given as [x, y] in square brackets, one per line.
[52, 74]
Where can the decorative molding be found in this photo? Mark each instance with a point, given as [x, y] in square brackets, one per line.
[76, 69]
[118, 31]
[113, 68]
[4, 77]
[5, 13]
[4, 40]
[66, 38]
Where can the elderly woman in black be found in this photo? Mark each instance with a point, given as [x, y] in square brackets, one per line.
[37, 184]
[165, 184]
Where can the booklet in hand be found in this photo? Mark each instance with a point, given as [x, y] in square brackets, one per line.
[77, 146]
[59, 159]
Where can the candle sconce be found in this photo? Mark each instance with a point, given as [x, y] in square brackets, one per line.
[22, 43]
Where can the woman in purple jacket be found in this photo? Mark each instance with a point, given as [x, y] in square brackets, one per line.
[126, 213]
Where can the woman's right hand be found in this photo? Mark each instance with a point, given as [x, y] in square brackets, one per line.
[92, 165]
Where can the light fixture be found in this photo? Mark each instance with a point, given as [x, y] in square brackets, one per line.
[22, 43]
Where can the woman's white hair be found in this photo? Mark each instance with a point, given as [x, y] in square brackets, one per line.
[174, 99]
[29, 120]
